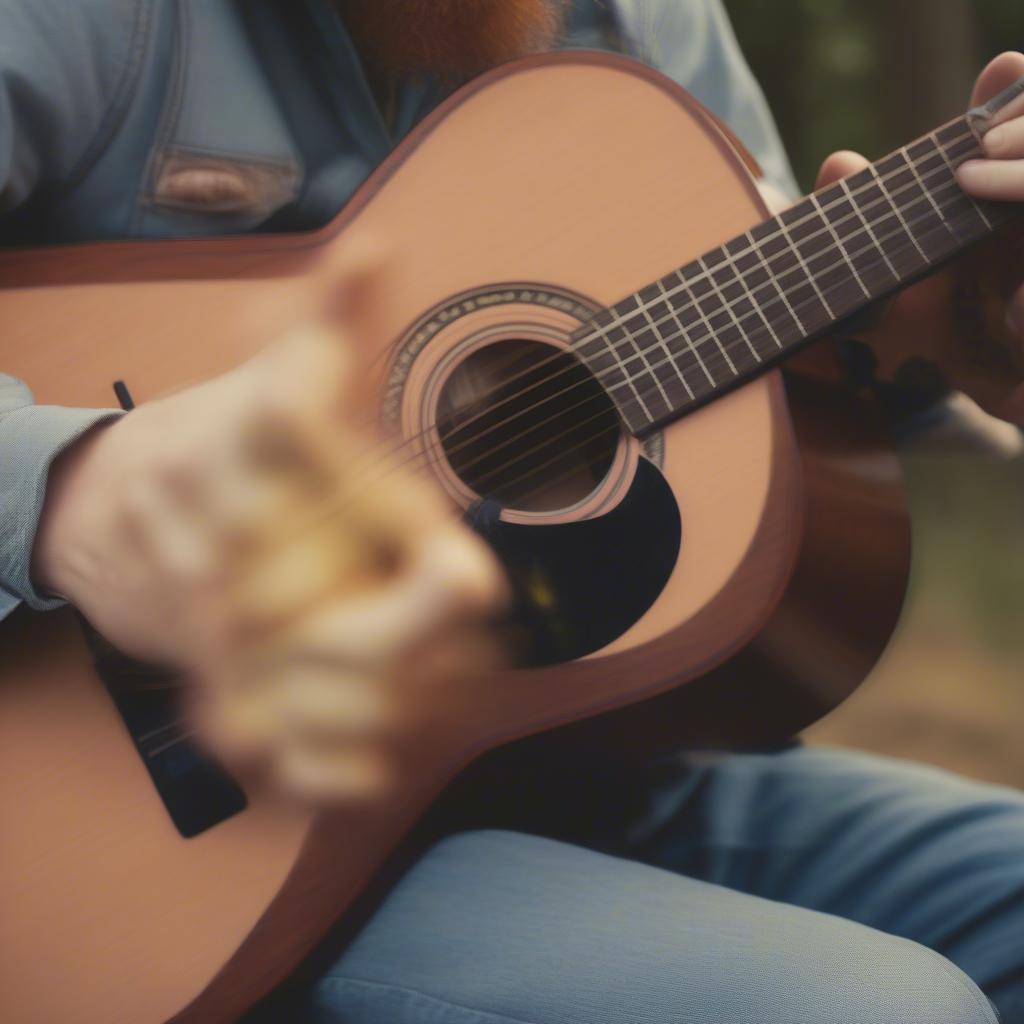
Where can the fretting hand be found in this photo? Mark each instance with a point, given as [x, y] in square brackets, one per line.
[241, 530]
[982, 353]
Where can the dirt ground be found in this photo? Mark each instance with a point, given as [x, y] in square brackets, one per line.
[950, 688]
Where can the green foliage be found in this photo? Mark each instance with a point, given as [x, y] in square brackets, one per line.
[870, 75]
[866, 74]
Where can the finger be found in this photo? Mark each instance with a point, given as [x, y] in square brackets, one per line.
[457, 652]
[840, 165]
[1001, 180]
[334, 774]
[393, 506]
[998, 75]
[453, 577]
[288, 454]
[279, 440]
[239, 715]
[354, 279]
[245, 724]
[288, 579]
[294, 421]
[1005, 141]
[335, 704]
[250, 515]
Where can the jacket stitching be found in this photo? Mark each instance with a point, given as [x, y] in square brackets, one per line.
[260, 159]
[116, 109]
[334, 982]
[149, 199]
[170, 115]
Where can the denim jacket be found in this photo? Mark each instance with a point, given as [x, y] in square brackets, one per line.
[106, 106]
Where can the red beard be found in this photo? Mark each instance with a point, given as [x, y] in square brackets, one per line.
[452, 39]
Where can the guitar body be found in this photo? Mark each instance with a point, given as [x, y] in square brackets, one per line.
[768, 528]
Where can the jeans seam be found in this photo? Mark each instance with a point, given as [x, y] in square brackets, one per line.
[482, 1015]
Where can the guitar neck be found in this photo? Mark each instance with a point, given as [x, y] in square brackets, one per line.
[727, 316]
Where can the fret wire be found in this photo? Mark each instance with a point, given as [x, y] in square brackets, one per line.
[894, 235]
[741, 277]
[774, 279]
[839, 245]
[875, 247]
[712, 333]
[642, 354]
[755, 248]
[625, 376]
[939, 226]
[899, 234]
[664, 346]
[760, 276]
[931, 164]
[896, 210]
[693, 304]
[884, 200]
[685, 337]
[727, 306]
[933, 138]
[803, 263]
[904, 235]
[924, 189]
[595, 331]
[858, 211]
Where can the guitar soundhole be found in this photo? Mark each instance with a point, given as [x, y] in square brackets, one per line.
[527, 425]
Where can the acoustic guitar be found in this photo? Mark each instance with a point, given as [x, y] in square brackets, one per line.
[582, 348]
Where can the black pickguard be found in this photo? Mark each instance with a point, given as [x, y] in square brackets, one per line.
[578, 586]
[196, 791]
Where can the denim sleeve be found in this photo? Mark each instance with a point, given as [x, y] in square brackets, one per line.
[692, 41]
[65, 73]
[31, 437]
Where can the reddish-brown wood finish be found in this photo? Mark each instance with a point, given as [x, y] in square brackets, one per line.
[584, 171]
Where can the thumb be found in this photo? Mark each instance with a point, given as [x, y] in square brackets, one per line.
[840, 165]
[353, 279]
[999, 74]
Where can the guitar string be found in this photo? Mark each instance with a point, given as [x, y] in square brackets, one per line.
[756, 312]
[615, 428]
[561, 454]
[907, 242]
[813, 302]
[942, 169]
[398, 444]
[188, 734]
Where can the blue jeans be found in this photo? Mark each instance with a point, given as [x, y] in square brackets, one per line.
[806, 887]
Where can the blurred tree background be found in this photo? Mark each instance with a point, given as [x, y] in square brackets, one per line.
[868, 75]
[871, 75]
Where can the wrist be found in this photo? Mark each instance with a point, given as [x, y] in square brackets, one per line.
[58, 535]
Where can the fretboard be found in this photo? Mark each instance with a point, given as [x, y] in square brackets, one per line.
[737, 310]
